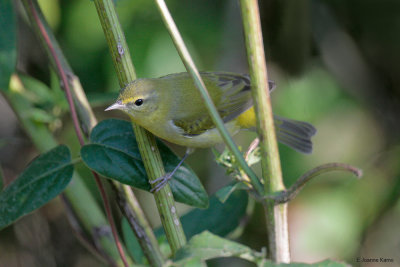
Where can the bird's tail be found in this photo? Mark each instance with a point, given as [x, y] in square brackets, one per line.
[295, 134]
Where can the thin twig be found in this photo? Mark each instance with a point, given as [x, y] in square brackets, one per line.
[291, 193]
[84, 205]
[76, 191]
[140, 226]
[251, 147]
[77, 128]
[146, 141]
[61, 72]
[82, 237]
[194, 73]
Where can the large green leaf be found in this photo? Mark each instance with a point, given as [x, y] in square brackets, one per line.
[8, 42]
[114, 153]
[44, 178]
[220, 218]
[325, 263]
[206, 246]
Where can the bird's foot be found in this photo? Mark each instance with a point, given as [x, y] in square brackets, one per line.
[161, 182]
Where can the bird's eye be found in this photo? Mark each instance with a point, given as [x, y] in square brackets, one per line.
[139, 102]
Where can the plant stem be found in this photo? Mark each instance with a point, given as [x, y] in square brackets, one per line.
[60, 70]
[291, 193]
[146, 141]
[192, 70]
[138, 222]
[84, 205]
[278, 241]
[88, 121]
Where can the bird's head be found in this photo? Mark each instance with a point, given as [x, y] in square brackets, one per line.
[140, 99]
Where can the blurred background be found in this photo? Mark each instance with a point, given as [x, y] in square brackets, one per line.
[336, 65]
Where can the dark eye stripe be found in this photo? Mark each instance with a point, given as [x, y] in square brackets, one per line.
[139, 102]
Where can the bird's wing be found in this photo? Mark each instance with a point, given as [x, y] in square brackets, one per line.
[231, 95]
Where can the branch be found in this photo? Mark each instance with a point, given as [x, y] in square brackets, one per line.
[42, 32]
[291, 193]
[146, 141]
[129, 204]
[84, 205]
[192, 70]
[276, 216]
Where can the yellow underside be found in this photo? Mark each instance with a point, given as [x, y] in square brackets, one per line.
[207, 139]
[247, 119]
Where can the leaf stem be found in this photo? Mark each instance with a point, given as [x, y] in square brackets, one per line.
[276, 216]
[146, 141]
[291, 193]
[194, 73]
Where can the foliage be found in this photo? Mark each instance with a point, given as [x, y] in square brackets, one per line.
[352, 105]
[8, 41]
[43, 179]
[114, 153]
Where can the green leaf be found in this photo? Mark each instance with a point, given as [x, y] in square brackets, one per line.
[224, 193]
[164, 245]
[36, 91]
[1, 179]
[57, 94]
[325, 263]
[8, 43]
[41, 116]
[220, 218]
[114, 153]
[44, 178]
[207, 246]
[192, 262]
[132, 244]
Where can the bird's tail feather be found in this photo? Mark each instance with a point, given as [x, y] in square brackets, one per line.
[295, 134]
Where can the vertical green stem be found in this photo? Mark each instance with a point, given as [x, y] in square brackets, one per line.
[147, 145]
[128, 203]
[83, 203]
[278, 243]
[192, 70]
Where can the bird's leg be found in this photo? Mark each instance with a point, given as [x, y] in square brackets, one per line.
[161, 181]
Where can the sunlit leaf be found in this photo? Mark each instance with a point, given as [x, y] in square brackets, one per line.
[36, 91]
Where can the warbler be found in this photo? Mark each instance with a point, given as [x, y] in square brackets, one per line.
[172, 108]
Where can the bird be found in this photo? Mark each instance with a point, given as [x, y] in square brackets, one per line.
[172, 108]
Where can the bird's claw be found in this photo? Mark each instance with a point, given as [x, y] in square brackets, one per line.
[160, 179]
[161, 182]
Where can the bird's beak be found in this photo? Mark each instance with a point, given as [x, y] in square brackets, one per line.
[116, 105]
